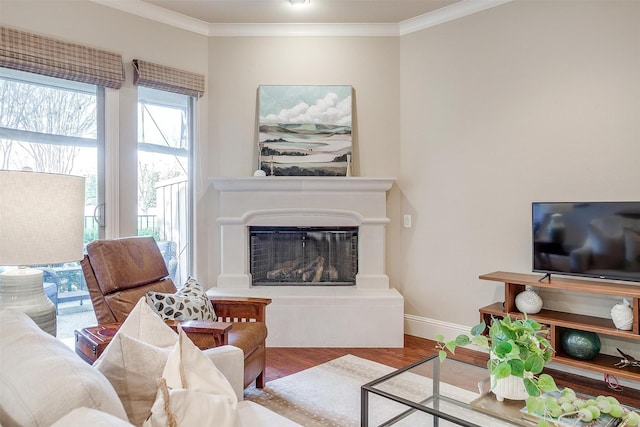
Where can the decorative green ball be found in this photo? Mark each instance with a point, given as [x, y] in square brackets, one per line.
[582, 345]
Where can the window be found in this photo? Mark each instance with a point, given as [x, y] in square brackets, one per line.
[52, 125]
[164, 189]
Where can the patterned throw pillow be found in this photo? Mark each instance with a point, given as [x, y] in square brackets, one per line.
[189, 303]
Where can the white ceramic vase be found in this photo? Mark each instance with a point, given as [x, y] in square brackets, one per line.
[511, 388]
[622, 316]
[529, 302]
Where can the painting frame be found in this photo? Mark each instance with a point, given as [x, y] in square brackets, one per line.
[305, 130]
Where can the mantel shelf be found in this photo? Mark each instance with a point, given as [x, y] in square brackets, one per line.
[303, 183]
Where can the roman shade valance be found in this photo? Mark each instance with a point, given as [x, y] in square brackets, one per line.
[166, 78]
[24, 51]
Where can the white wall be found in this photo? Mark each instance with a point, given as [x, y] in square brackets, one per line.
[529, 101]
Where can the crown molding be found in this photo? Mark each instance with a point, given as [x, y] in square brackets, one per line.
[307, 29]
[440, 16]
[446, 14]
[158, 14]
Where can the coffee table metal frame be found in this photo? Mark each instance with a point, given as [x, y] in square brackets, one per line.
[434, 399]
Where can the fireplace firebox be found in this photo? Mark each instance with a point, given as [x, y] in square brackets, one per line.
[320, 256]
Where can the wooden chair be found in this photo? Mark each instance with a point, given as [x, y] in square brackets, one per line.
[119, 272]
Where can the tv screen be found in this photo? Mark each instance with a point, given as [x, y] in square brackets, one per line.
[594, 239]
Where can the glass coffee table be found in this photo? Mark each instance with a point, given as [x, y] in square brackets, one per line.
[433, 393]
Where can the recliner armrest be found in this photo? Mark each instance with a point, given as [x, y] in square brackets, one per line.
[203, 334]
[240, 309]
[91, 341]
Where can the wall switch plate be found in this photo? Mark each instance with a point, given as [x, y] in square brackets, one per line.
[407, 221]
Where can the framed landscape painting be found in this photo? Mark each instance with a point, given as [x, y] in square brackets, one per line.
[304, 130]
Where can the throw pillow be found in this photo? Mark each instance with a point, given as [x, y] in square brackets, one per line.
[192, 391]
[189, 303]
[135, 358]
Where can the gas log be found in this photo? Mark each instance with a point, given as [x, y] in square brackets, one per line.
[296, 271]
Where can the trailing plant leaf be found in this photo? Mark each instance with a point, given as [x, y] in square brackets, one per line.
[503, 370]
[478, 329]
[480, 341]
[451, 346]
[517, 367]
[531, 387]
[502, 349]
[462, 340]
[546, 383]
[534, 364]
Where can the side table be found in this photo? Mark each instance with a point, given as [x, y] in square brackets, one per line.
[91, 342]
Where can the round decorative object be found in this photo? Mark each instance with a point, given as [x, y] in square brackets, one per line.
[529, 302]
[622, 316]
[259, 172]
[582, 345]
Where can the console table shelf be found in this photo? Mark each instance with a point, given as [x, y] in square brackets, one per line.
[557, 321]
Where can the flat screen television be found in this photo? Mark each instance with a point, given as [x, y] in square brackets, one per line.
[589, 239]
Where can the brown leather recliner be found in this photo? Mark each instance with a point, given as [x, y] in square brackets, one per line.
[119, 272]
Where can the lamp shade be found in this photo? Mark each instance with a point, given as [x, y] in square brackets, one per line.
[41, 218]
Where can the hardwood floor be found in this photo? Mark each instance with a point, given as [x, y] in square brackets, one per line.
[286, 361]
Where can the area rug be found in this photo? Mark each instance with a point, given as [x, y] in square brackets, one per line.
[329, 395]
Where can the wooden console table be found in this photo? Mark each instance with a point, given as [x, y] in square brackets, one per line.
[558, 322]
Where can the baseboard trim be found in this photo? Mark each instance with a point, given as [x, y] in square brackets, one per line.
[424, 327]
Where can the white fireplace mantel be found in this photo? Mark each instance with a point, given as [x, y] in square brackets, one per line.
[303, 202]
[313, 202]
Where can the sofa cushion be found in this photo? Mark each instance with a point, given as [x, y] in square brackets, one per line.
[189, 303]
[90, 417]
[41, 379]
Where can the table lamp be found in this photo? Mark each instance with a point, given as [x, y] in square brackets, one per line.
[41, 222]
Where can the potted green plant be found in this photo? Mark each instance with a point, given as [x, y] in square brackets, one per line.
[519, 349]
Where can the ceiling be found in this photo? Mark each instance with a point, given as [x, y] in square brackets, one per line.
[319, 18]
[318, 11]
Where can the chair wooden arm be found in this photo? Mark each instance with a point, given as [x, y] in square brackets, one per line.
[240, 309]
[203, 334]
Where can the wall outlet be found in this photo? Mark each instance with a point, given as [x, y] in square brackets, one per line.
[407, 221]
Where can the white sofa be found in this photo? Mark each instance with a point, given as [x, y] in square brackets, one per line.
[43, 382]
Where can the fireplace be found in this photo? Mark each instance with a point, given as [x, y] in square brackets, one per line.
[332, 227]
[307, 256]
